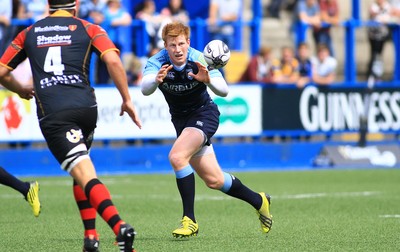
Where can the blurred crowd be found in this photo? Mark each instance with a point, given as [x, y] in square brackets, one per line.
[301, 66]
[297, 65]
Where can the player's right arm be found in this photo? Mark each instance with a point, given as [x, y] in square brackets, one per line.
[153, 75]
[8, 81]
[13, 56]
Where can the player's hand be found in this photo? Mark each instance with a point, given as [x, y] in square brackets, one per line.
[26, 92]
[202, 75]
[163, 73]
[130, 109]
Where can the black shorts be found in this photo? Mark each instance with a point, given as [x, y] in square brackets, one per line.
[66, 129]
[205, 118]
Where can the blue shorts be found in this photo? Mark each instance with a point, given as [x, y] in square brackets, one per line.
[205, 118]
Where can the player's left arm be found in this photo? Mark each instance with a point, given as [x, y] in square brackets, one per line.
[216, 82]
[153, 75]
[118, 75]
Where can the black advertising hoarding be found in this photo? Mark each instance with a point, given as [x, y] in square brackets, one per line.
[329, 109]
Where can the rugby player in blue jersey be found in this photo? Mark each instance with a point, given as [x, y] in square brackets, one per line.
[181, 74]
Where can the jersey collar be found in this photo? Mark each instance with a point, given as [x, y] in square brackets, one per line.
[61, 13]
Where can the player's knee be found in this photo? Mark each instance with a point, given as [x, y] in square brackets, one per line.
[214, 183]
[177, 159]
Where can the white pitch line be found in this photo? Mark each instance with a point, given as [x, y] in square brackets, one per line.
[200, 197]
[321, 195]
[389, 216]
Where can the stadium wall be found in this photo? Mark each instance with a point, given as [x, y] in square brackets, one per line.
[251, 111]
[154, 158]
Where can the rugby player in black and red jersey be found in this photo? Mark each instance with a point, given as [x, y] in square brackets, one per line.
[59, 49]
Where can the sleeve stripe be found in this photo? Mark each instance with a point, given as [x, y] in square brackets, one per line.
[109, 50]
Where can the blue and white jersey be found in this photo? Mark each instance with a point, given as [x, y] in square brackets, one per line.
[183, 93]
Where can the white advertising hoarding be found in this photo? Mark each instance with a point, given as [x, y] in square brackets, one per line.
[240, 115]
[18, 120]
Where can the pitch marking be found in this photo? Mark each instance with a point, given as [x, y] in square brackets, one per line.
[389, 216]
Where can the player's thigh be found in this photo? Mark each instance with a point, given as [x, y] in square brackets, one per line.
[207, 168]
[65, 130]
[187, 144]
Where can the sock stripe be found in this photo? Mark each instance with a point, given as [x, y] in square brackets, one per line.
[89, 186]
[227, 182]
[113, 221]
[186, 171]
[109, 212]
[100, 198]
[87, 212]
[84, 204]
[103, 205]
[90, 224]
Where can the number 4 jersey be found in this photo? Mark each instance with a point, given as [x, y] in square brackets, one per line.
[59, 49]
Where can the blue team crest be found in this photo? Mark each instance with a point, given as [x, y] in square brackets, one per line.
[171, 75]
[187, 73]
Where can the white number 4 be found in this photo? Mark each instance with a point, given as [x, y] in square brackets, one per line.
[53, 62]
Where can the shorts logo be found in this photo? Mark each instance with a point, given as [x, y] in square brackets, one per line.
[74, 136]
[72, 27]
[199, 123]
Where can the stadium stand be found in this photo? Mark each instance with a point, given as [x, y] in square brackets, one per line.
[282, 132]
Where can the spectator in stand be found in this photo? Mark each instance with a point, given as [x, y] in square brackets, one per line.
[395, 9]
[330, 17]
[94, 11]
[274, 7]
[115, 17]
[380, 12]
[146, 11]
[307, 12]
[85, 8]
[324, 66]
[5, 21]
[286, 69]
[259, 68]
[175, 11]
[133, 68]
[305, 66]
[36, 9]
[225, 11]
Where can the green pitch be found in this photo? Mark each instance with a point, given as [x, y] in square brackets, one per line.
[321, 210]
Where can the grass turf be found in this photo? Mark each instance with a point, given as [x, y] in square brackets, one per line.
[317, 210]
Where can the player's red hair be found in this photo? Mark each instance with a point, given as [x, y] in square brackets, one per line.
[175, 29]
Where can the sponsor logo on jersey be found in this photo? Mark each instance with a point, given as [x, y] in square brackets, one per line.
[60, 79]
[72, 27]
[53, 40]
[171, 75]
[51, 28]
[179, 87]
[187, 73]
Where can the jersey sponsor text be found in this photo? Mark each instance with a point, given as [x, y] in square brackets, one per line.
[54, 40]
[60, 79]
